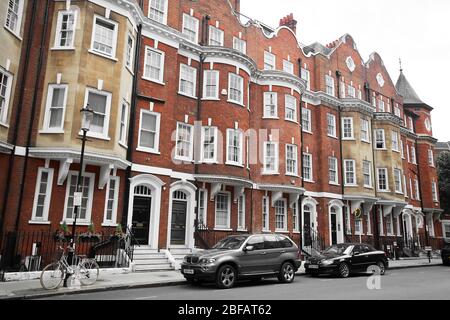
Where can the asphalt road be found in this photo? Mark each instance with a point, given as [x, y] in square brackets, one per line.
[410, 284]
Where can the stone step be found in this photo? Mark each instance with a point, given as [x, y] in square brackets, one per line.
[150, 261]
[145, 251]
[161, 266]
[175, 251]
[155, 255]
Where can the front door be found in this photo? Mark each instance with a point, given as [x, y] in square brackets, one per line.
[178, 226]
[308, 226]
[333, 229]
[141, 219]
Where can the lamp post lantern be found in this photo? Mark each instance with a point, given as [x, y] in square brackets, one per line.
[87, 115]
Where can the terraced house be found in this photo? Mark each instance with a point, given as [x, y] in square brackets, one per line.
[207, 123]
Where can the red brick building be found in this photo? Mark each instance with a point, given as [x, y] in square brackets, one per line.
[208, 123]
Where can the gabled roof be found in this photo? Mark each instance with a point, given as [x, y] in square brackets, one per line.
[406, 90]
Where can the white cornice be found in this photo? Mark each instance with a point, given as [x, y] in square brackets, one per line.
[6, 147]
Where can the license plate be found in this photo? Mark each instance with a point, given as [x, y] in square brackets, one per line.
[313, 266]
[188, 271]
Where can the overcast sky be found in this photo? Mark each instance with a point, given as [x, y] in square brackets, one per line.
[417, 31]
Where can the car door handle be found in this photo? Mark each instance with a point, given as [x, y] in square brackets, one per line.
[284, 251]
[263, 253]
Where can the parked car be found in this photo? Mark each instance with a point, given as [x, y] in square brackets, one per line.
[445, 254]
[244, 257]
[346, 258]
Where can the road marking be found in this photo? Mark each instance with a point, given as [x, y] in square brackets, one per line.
[143, 298]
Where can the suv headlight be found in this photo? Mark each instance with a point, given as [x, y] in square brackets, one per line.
[327, 262]
[207, 261]
[185, 259]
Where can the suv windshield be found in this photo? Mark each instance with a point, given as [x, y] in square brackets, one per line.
[230, 243]
[338, 249]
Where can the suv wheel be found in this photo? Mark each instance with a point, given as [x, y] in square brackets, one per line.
[287, 273]
[226, 277]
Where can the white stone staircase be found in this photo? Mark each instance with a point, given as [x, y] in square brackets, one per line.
[147, 259]
[178, 255]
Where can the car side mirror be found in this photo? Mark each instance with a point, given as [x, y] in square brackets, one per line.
[249, 248]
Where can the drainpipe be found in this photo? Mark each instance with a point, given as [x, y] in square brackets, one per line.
[300, 200]
[131, 126]
[33, 112]
[420, 187]
[19, 112]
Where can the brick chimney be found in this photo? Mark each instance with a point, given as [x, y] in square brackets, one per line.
[289, 22]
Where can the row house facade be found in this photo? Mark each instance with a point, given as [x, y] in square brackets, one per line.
[207, 123]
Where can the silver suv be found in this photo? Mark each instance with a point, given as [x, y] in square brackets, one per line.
[244, 257]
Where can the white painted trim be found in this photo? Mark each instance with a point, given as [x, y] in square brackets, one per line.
[162, 172]
[202, 146]
[108, 95]
[16, 32]
[48, 196]
[241, 102]
[57, 42]
[46, 125]
[196, 26]
[241, 149]
[217, 78]
[157, 131]
[228, 226]
[87, 219]
[113, 220]
[4, 115]
[164, 15]
[191, 143]
[115, 33]
[160, 80]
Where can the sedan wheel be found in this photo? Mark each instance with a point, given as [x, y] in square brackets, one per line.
[226, 277]
[287, 273]
[344, 270]
[380, 265]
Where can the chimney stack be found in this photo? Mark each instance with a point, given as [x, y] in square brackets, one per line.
[289, 22]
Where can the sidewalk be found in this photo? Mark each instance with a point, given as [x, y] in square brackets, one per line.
[32, 288]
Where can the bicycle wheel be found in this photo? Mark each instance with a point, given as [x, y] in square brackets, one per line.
[89, 271]
[52, 276]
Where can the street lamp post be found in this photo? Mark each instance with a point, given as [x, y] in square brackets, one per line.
[86, 118]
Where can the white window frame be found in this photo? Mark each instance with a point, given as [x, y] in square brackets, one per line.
[146, 76]
[203, 205]
[376, 139]
[365, 130]
[351, 91]
[397, 111]
[275, 169]
[430, 225]
[241, 213]
[268, 59]
[288, 66]
[369, 224]
[398, 174]
[57, 44]
[100, 135]
[114, 43]
[164, 20]
[16, 30]
[123, 123]
[434, 191]
[359, 226]
[413, 155]
[238, 163]
[216, 74]
[445, 225]
[347, 183]
[241, 88]
[344, 136]
[48, 107]
[5, 108]
[331, 123]
[348, 220]
[402, 148]
[240, 45]
[87, 219]
[290, 107]
[385, 170]
[306, 75]
[196, 22]
[381, 105]
[294, 160]
[191, 143]
[265, 216]
[213, 30]
[48, 195]
[129, 52]
[202, 147]
[285, 228]
[329, 85]
[380, 221]
[113, 220]
[430, 158]
[310, 168]
[333, 160]
[405, 186]
[367, 174]
[416, 187]
[268, 104]
[193, 72]
[306, 119]
[227, 226]
[390, 225]
[394, 141]
[295, 218]
[157, 131]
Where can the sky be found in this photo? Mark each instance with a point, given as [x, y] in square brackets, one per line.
[417, 31]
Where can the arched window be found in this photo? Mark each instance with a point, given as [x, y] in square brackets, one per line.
[179, 195]
[142, 191]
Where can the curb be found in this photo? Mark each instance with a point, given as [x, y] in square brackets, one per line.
[149, 285]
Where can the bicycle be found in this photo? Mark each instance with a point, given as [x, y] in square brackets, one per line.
[86, 270]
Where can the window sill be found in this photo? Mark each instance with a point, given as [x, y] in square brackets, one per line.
[290, 120]
[396, 151]
[51, 131]
[154, 81]
[129, 70]
[292, 175]
[209, 162]
[186, 95]
[210, 99]
[141, 149]
[186, 160]
[123, 145]
[38, 222]
[242, 230]
[266, 231]
[350, 185]
[222, 229]
[333, 137]
[79, 223]
[95, 136]
[62, 49]
[109, 224]
[296, 232]
[384, 191]
[3, 124]
[270, 173]
[368, 187]
[380, 149]
[399, 192]
[14, 33]
[241, 104]
[334, 183]
[234, 164]
[366, 141]
[348, 139]
[310, 181]
[102, 55]
[281, 231]
[307, 131]
[270, 118]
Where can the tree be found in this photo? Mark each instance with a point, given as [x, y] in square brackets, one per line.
[443, 170]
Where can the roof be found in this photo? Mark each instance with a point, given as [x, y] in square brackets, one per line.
[407, 91]
[443, 145]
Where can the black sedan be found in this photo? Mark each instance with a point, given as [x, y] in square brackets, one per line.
[445, 254]
[346, 258]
